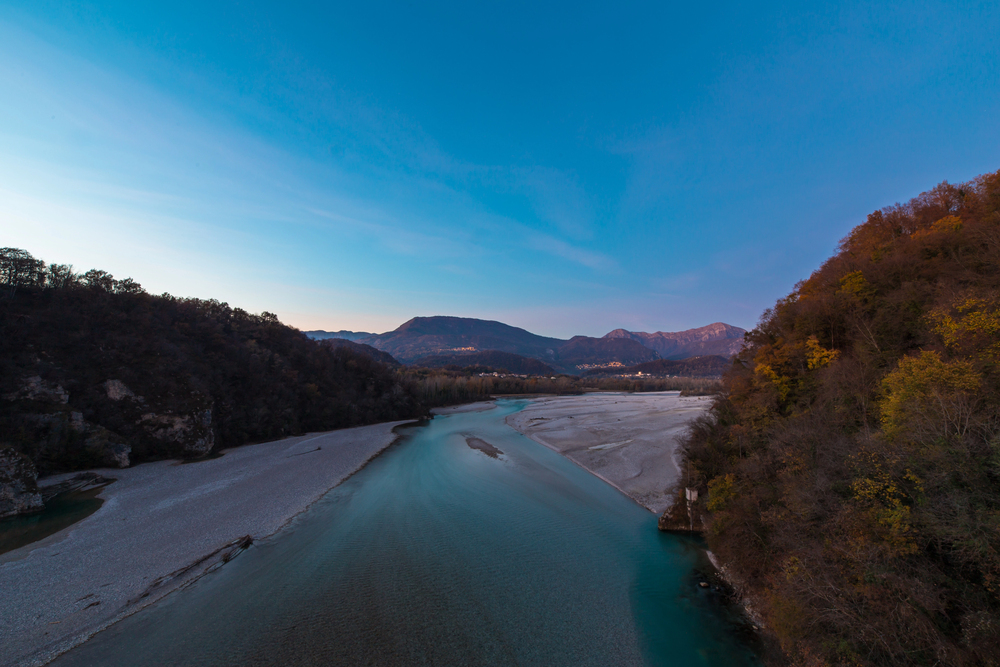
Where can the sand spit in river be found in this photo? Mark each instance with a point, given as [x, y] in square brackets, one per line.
[628, 440]
[481, 406]
[158, 522]
[484, 447]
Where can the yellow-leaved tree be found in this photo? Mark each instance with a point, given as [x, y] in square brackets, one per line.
[927, 398]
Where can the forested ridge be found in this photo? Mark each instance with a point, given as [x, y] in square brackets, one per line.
[850, 470]
[490, 360]
[94, 371]
[92, 367]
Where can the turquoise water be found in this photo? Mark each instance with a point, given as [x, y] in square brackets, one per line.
[438, 554]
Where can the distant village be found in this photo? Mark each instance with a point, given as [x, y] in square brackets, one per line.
[610, 364]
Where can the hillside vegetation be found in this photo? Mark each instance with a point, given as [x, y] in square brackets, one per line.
[94, 371]
[852, 465]
[359, 348]
[489, 360]
[707, 366]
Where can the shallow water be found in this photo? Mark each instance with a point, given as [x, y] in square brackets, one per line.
[61, 512]
[437, 554]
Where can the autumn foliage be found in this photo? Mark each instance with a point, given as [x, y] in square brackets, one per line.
[852, 465]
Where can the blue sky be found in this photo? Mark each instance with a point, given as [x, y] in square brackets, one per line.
[568, 168]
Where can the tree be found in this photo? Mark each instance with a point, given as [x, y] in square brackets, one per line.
[928, 398]
[61, 276]
[97, 279]
[19, 269]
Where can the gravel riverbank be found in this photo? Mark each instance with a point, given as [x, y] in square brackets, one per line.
[163, 525]
[628, 440]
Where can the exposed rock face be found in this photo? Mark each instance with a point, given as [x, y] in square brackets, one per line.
[36, 389]
[102, 447]
[107, 447]
[117, 390]
[117, 456]
[105, 425]
[18, 488]
[193, 432]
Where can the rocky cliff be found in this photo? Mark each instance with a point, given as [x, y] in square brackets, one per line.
[18, 490]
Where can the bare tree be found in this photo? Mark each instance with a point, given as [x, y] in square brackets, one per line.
[99, 280]
[61, 275]
[19, 269]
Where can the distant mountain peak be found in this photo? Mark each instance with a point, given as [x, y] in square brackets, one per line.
[717, 338]
[437, 325]
[715, 328]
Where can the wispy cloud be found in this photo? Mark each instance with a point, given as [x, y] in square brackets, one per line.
[559, 248]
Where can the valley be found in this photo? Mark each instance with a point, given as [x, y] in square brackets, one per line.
[450, 340]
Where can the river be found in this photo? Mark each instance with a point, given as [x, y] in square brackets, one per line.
[438, 553]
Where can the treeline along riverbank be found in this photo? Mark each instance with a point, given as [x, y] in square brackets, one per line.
[96, 372]
[852, 465]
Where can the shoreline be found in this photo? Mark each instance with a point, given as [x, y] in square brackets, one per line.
[164, 525]
[628, 440]
[595, 425]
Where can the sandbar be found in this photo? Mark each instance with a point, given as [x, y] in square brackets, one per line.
[481, 445]
[163, 525]
[628, 440]
[480, 406]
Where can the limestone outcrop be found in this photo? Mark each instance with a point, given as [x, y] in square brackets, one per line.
[18, 488]
[192, 432]
[117, 390]
[94, 444]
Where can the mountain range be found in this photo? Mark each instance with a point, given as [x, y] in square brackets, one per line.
[451, 337]
[715, 339]
[337, 335]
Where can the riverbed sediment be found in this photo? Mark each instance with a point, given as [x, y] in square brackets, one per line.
[628, 440]
[162, 526]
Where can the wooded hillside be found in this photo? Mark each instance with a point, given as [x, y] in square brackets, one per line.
[94, 371]
[852, 466]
